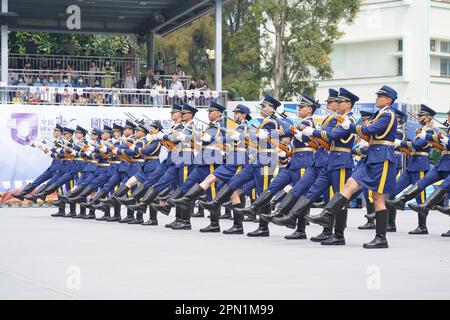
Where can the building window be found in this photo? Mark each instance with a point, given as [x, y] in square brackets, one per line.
[445, 67]
[445, 47]
[400, 45]
[400, 66]
[433, 45]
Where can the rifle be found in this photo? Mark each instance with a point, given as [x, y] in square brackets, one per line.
[434, 144]
[168, 144]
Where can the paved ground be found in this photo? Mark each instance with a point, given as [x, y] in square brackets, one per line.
[55, 258]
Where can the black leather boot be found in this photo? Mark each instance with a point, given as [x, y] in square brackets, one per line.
[263, 228]
[178, 218]
[409, 194]
[135, 196]
[106, 215]
[81, 215]
[81, 197]
[392, 214]
[32, 197]
[324, 235]
[129, 217]
[139, 218]
[227, 214]
[150, 195]
[337, 239]
[185, 223]
[61, 212]
[71, 193]
[446, 234]
[91, 215]
[189, 197]
[302, 205]
[99, 195]
[121, 191]
[72, 211]
[434, 199]
[21, 195]
[214, 225]
[370, 224]
[444, 210]
[164, 194]
[422, 227]
[380, 240]
[165, 208]
[334, 206]
[277, 199]
[237, 227]
[221, 197]
[48, 190]
[299, 233]
[116, 217]
[153, 220]
[283, 208]
[260, 202]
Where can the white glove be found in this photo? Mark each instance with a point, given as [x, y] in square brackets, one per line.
[74, 153]
[262, 134]
[103, 149]
[159, 135]
[397, 143]
[206, 138]
[114, 150]
[282, 154]
[235, 136]
[308, 131]
[58, 150]
[363, 144]
[299, 136]
[445, 141]
[91, 148]
[132, 147]
[88, 153]
[181, 136]
[346, 124]
[422, 135]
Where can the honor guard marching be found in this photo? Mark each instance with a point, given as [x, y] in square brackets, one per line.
[282, 166]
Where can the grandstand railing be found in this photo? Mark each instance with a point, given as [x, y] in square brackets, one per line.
[46, 95]
[52, 62]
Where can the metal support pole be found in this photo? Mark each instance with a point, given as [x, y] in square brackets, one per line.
[218, 49]
[150, 48]
[4, 49]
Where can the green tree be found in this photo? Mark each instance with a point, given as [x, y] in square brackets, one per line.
[297, 38]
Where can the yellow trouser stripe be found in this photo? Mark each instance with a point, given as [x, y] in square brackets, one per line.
[71, 184]
[422, 194]
[331, 192]
[370, 196]
[185, 173]
[59, 190]
[79, 174]
[302, 172]
[238, 169]
[253, 193]
[266, 177]
[115, 188]
[342, 180]
[383, 176]
[213, 186]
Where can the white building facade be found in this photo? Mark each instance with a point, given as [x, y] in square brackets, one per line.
[401, 43]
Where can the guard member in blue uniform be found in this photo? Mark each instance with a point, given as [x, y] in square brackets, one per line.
[377, 173]
[183, 159]
[361, 151]
[418, 166]
[236, 157]
[118, 176]
[302, 159]
[400, 134]
[335, 174]
[261, 170]
[311, 174]
[54, 167]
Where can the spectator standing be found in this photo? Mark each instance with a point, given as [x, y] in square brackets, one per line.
[129, 82]
[108, 74]
[30, 46]
[202, 86]
[161, 90]
[180, 71]
[176, 84]
[160, 61]
[93, 72]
